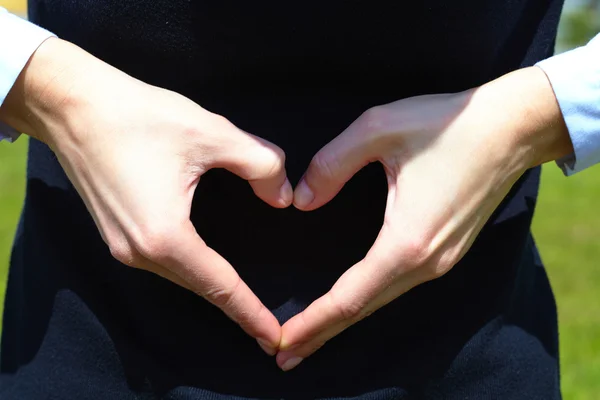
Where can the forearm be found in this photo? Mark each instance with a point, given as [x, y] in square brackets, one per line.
[44, 80]
[59, 80]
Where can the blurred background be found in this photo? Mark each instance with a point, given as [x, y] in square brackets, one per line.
[566, 227]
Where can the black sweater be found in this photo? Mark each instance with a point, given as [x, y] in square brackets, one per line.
[79, 325]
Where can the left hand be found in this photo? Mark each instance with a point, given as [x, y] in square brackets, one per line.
[450, 160]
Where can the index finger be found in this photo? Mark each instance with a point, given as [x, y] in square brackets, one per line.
[367, 286]
[212, 277]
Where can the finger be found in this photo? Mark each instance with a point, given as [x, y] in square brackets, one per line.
[163, 273]
[338, 161]
[212, 277]
[258, 161]
[382, 276]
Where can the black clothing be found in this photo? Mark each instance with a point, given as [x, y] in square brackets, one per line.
[79, 325]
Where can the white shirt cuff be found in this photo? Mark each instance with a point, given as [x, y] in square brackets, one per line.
[19, 39]
[575, 79]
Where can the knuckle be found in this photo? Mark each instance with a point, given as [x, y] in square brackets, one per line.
[221, 120]
[442, 264]
[351, 310]
[407, 256]
[374, 120]
[281, 157]
[223, 297]
[416, 256]
[155, 241]
[248, 320]
[221, 124]
[122, 252]
[414, 252]
[215, 121]
[268, 160]
[324, 165]
[277, 162]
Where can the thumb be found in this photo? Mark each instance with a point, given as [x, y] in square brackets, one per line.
[261, 163]
[334, 165]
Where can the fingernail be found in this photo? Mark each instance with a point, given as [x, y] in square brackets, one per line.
[303, 196]
[287, 193]
[291, 363]
[266, 346]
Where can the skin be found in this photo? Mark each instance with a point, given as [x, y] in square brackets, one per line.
[449, 159]
[135, 153]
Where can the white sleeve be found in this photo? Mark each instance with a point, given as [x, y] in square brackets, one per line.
[575, 79]
[19, 39]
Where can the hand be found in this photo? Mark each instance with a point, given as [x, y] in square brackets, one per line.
[135, 154]
[449, 160]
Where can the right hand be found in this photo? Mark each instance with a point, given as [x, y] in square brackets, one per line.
[135, 153]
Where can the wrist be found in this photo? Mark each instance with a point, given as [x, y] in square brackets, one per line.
[536, 129]
[48, 89]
